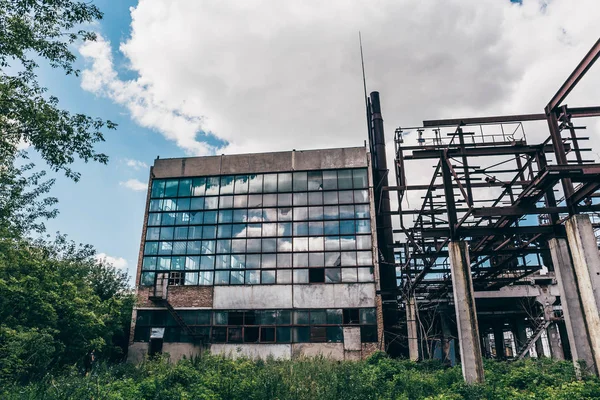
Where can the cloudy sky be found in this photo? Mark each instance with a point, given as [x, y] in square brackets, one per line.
[199, 77]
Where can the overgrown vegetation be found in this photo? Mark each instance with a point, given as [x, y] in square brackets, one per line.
[58, 304]
[379, 377]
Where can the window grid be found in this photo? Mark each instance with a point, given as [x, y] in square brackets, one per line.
[276, 228]
[266, 326]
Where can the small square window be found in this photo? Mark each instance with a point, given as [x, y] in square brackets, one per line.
[335, 334]
[267, 334]
[349, 275]
[334, 316]
[251, 334]
[316, 275]
[284, 276]
[252, 277]
[368, 316]
[333, 275]
[236, 277]
[300, 182]
[300, 276]
[318, 334]
[234, 335]
[284, 260]
[318, 317]
[368, 334]
[236, 318]
[330, 180]
[268, 277]
[315, 199]
[284, 335]
[301, 317]
[284, 200]
[300, 199]
[240, 201]
[255, 200]
[219, 335]
[365, 274]
[351, 316]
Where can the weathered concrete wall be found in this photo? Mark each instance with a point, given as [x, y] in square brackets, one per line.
[137, 352]
[254, 351]
[334, 351]
[352, 338]
[177, 351]
[352, 157]
[190, 296]
[252, 297]
[344, 295]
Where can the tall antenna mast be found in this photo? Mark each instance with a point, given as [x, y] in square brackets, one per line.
[362, 61]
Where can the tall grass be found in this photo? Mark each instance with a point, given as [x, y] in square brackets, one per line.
[379, 377]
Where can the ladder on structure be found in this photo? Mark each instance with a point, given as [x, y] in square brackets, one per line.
[159, 297]
[533, 338]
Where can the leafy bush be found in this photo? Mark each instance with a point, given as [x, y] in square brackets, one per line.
[379, 377]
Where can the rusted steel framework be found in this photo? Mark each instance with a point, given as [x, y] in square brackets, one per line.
[491, 187]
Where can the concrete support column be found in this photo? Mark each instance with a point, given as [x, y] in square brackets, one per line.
[547, 301]
[539, 348]
[499, 341]
[411, 325]
[556, 349]
[575, 323]
[466, 314]
[520, 334]
[586, 262]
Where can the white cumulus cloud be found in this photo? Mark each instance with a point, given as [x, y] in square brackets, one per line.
[134, 184]
[265, 75]
[136, 164]
[117, 262]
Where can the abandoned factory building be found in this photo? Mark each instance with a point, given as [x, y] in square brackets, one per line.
[260, 254]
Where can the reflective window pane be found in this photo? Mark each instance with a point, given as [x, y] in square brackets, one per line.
[198, 186]
[300, 199]
[315, 180]
[256, 183]
[365, 274]
[330, 180]
[284, 199]
[349, 275]
[241, 184]
[183, 204]
[267, 277]
[212, 186]
[359, 178]
[238, 245]
[197, 203]
[285, 182]
[240, 201]
[226, 202]
[284, 276]
[333, 275]
[300, 182]
[158, 188]
[315, 199]
[345, 179]
[270, 183]
[300, 276]
[185, 188]
[171, 187]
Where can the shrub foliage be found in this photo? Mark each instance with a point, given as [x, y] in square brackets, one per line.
[379, 377]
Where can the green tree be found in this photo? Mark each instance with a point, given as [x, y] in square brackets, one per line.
[31, 32]
[57, 304]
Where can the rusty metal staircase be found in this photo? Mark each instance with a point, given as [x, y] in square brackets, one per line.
[159, 296]
[533, 338]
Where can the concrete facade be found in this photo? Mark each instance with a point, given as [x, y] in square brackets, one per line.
[181, 299]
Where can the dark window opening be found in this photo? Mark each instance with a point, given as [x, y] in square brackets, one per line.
[141, 334]
[176, 279]
[235, 335]
[351, 316]
[156, 346]
[219, 335]
[251, 334]
[250, 318]
[368, 333]
[316, 275]
[236, 318]
[267, 334]
[318, 334]
[335, 334]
